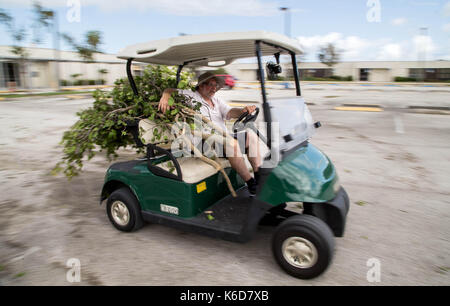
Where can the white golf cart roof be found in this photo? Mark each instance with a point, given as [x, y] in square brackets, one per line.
[218, 49]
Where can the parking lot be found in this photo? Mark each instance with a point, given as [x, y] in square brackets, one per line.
[390, 146]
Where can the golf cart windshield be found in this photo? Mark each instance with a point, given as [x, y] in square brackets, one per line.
[291, 121]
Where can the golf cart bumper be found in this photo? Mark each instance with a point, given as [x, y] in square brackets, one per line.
[334, 212]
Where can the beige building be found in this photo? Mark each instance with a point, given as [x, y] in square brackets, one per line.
[358, 71]
[39, 70]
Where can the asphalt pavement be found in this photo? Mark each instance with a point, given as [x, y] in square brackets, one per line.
[393, 162]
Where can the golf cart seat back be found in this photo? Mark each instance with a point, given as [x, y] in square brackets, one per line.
[151, 133]
[193, 169]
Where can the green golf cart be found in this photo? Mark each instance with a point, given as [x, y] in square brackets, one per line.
[195, 198]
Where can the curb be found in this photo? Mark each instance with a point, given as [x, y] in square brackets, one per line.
[443, 108]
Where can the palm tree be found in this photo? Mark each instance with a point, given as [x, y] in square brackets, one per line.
[87, 49]
[45, 18]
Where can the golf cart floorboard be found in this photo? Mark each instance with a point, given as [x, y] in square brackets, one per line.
[232, 219]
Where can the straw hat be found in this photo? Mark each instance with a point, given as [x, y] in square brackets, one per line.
[209, 75]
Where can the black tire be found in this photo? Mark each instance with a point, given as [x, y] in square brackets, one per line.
[134, 220]
[303, 232]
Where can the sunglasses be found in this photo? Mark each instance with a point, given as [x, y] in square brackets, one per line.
[212, 84]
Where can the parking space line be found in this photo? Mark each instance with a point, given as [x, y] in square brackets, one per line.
[399, 129]
[74, 97]
[358, 109]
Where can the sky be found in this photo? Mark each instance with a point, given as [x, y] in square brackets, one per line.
[370, 30]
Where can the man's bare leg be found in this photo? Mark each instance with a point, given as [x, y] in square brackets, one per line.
[254, 154]
[237, 160]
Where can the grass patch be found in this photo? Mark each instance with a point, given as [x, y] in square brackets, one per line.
[442, 270]
[44, 94]
[21, 274]
[361, 203]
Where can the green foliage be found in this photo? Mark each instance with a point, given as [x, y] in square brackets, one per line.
[405, 79]
[102, 127]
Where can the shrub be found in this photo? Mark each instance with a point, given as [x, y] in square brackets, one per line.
[405, 79]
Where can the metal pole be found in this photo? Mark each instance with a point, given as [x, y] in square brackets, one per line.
[287, 21]
[56, 49]
[423, 53]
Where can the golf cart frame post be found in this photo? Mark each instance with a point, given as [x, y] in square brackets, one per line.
[266, 108]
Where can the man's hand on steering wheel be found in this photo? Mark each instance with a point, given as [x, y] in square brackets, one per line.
[245, 117]
[249, 109]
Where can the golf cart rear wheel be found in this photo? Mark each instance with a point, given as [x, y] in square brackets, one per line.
[303, 246]
[124, 210]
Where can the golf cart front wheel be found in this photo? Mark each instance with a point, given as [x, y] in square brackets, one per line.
[124, 211]
[303, 246]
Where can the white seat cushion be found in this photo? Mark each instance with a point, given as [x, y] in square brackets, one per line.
[195, 170]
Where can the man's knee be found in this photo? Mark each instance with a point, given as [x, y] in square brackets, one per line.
[233, 149]
[252, 144]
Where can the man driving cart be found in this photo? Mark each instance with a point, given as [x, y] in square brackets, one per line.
[218, 111]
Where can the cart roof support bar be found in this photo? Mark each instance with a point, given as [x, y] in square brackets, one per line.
[180, 67]
[294, 65]
[179, 73]
[130, 77]
[295, 70]
[266, 108]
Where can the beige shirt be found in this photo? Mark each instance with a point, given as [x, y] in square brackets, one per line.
[216, 114]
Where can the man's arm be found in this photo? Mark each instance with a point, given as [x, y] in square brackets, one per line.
[164, 101]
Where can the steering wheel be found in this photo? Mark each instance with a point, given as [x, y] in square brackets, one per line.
[243, 119]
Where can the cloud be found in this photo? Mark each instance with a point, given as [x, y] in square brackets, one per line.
[399, 21]
[390, 52]
[351, 46]
[423, 46]
[354, 48]
[447, 9]
[175, 7]
[446, 27]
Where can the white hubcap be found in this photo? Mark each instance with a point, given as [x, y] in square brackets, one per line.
[120, 213]
[299, 252]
